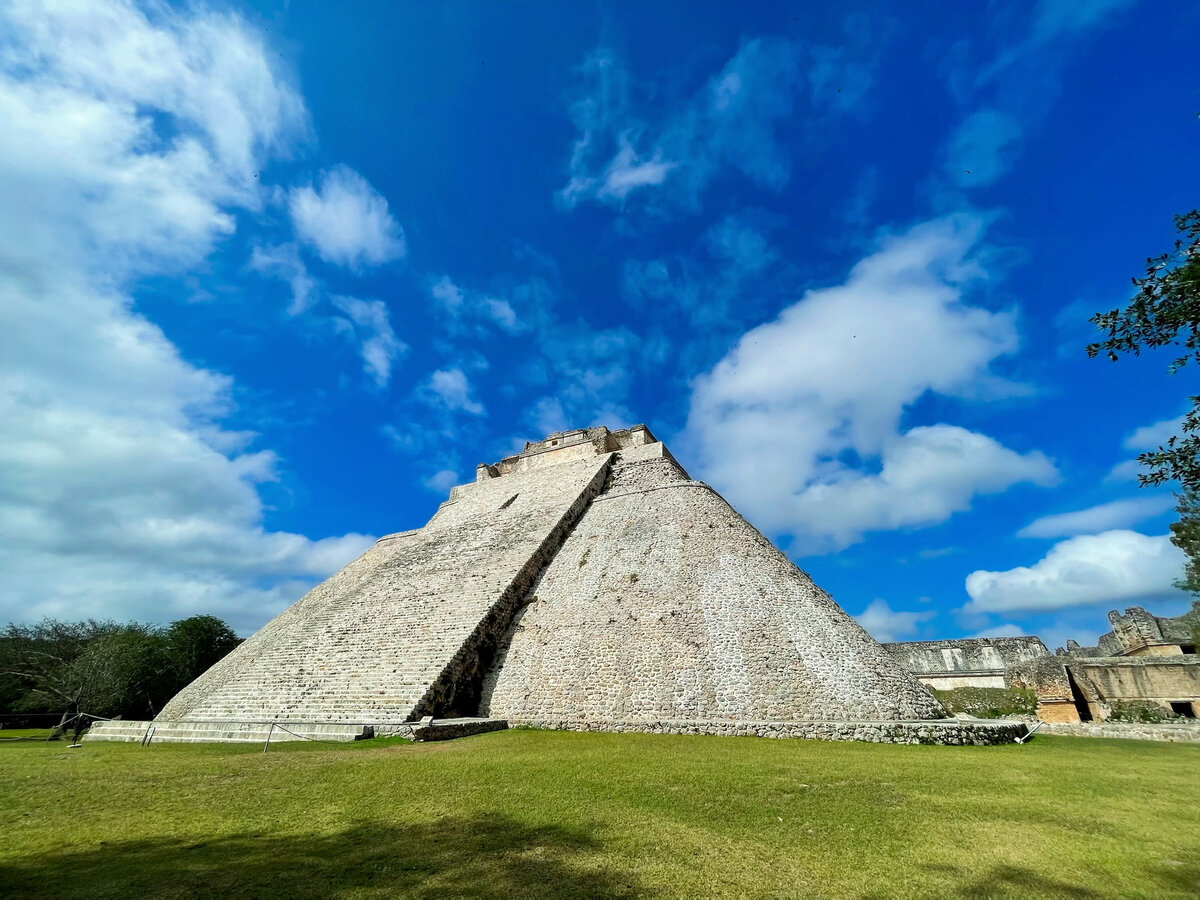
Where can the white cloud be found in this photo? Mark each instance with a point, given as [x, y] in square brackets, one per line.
[626, 172]
[799, 424]
[346, 221]
[448, 294]
[547, 416]
[733, 122]
[379, 345]
[126, 140]
[887, 624]
[928, 473]
[461, 303]
[1147, 437]
[982, 148]
[441, 481]
[283, 261]
[1103, 517]
[1109, 568]
[501, 312]
[451, 389]
[1153, 436]
[1124, 471]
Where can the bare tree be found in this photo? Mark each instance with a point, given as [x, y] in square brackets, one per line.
[78, 668]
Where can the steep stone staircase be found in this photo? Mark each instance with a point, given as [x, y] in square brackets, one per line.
[403, 632]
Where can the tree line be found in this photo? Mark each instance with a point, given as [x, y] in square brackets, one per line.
[78, 670]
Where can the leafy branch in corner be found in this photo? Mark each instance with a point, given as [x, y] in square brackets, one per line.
[1165, 311]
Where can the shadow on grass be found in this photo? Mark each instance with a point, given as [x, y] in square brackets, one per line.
[487, 856]
[1178, 878]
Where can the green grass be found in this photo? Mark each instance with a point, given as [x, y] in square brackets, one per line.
[534, 813]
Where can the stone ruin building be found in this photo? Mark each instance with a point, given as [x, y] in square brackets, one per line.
[966, 662]
[1143, 660]
[585, 583]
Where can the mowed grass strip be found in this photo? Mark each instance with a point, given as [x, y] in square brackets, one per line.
[553, 814]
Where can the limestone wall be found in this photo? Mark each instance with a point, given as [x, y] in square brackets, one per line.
[664, 604]
[965, 662]
[404, 630]
[1160, 680]
[1138, 633]
[948, 732]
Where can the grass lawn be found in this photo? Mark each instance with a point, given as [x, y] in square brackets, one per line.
[537, 813]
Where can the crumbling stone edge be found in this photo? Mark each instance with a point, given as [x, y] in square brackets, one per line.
[934, 731]
[1137, 731]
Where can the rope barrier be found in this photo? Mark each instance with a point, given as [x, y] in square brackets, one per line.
[302, 737]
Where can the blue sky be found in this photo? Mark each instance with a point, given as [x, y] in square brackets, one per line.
[274, 277]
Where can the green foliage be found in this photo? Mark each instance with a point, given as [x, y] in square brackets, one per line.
[103, 668]
[558, 814]
[196, 643]
[1185, 534]
[1165, 311]
[988, 703]
[1140, 711]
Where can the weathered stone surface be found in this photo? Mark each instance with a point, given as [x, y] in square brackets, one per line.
[946, 731]
[966, 662]
[157, 732]
[665, 603]
[397, 633]
[586, 582]
[1135, 731]
[1138, 633]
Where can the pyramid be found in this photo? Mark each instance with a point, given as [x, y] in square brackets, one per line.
[585, 583]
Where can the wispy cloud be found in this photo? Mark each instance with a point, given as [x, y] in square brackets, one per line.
[462, 304]
[346, 220]
[283, 261]
[887, 624]
[1152, 436]
[1103, 517]
[451, 389]
[734, 123]
[378, 344]
[982, 148]
[1017, 87]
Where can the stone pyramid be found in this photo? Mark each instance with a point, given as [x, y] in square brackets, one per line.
[584, 583]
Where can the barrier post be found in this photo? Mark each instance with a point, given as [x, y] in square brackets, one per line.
[270, 732]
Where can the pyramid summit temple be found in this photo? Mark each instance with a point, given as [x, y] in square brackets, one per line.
[585, 583]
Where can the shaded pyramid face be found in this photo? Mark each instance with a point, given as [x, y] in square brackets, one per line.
[586, 581]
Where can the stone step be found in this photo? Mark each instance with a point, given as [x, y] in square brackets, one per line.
[234, 732]
[224, 732]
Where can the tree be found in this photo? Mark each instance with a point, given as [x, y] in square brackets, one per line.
[192, 646]
[81, 669]
[1165, 311]
[1185, 534]
[76, 668]
[195, 644]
